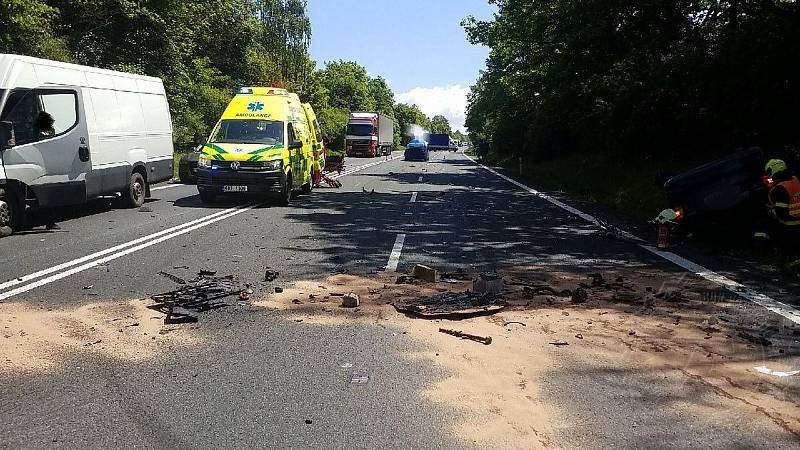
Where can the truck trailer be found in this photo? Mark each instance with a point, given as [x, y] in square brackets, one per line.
[439, 141]
[369, 134]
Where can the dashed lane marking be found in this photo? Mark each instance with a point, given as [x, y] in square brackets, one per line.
[394, 257]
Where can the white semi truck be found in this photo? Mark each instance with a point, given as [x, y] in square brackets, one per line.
[71, 133]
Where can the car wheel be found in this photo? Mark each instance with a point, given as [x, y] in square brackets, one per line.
[207, 197]
[135, 194]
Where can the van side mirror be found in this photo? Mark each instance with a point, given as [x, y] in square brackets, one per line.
[7, 139]
[295, 145]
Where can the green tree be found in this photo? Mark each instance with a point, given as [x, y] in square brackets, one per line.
[440, 124]
[26, 28]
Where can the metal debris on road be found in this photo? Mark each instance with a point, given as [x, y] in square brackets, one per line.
[451, 305]
[458, 275]
[203, 293]
[488, 283]
[172, 277]
[466, 336]
[767, 371]
[559, 343]
[513, 322]
[359, 377]
[270, 275]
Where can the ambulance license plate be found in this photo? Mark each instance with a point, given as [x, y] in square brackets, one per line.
[234, 188]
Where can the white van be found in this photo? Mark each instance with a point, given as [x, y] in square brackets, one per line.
[70, 133]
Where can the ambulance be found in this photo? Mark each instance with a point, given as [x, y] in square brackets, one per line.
[264, 143]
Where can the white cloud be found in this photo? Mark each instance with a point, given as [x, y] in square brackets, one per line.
[449, 101]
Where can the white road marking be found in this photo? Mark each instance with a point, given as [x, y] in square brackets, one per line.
[166, 186]
[413, 197]
[116, 248]
[394, 257]
[737, 288]
[127, 251]
[110, 254]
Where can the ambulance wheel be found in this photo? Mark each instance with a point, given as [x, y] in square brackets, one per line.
[286, 194]
[308, 187]
[207, 197]
[137, 190]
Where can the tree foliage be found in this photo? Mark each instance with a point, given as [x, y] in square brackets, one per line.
[648, 79]
[440, 124]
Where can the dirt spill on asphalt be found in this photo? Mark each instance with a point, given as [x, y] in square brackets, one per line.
[36, 339]
[633, 320]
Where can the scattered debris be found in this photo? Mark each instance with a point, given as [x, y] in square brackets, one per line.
[180, 267]
[405, 279]
[207, 273]
[172, 277]
[270, 275]
[245, 294]
[278, 289]
[767, 371]
[350, 300]
[359, 377]
[760, 340]
[458, 275]
[579, 336]
[579, 296]
[425, 273]
[470, 337]
[559, 343]
[145, 209]
[297, 302]
[451, 305]
[88, 287]
[488, 283]
[201, 294]
[513, 322]
[309, 421]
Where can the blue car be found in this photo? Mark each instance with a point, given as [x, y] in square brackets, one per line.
[417, 150]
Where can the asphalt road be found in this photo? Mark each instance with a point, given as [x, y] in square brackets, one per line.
[257, 378]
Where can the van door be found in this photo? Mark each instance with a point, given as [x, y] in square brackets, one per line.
[52, 153]
[295, 155]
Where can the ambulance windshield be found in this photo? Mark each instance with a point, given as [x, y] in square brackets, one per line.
[249, 131]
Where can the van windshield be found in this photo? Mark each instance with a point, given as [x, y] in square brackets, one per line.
[248, 131]
[360, 129]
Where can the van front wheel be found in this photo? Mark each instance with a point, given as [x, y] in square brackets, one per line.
[135, 194]
[286, 194]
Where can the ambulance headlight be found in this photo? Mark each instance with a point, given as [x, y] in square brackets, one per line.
[203, 161]
[273, 165]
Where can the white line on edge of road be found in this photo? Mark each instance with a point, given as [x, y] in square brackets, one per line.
[735, 287]
[413, 197]
[158, 237]
[394, 257]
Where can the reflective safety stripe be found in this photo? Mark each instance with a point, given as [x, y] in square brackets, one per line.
[792, 187]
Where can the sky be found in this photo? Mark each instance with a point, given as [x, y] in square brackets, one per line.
[418, 46]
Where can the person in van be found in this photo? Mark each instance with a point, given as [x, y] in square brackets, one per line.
[44, 124]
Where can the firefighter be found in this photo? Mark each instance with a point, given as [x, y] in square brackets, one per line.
[784, 207]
